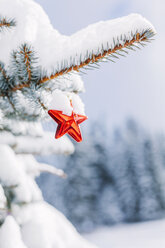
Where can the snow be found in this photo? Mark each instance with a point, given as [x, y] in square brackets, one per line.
[70, 83]
[12, 174]
[1, 116]
[78, 105]
[34, 27]
[62, 102]
[48, 227]
[22, 127]
[45, 144]
[34, 221]
[10, 236]
[141, 235]
[2, 198]
[33, 168]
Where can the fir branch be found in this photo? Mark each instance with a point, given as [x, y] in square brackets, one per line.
[4, 79]
[6, 23]
[103, 54]
[20, 116]
[23, 68]
[3, 72]
[27, 74]
[11, 103]
[42, 104]
[27, 60]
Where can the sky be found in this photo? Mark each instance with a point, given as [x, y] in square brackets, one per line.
[132, 87]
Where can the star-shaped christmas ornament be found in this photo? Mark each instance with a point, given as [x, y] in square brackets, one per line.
[68, 124]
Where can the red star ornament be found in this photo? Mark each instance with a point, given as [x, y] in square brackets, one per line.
[68, 124]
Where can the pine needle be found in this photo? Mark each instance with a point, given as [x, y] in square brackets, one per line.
[138, 38]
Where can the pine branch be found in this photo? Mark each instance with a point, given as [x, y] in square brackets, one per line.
[23, 68]
[4, 79]
[11, 103]
[6, 23]
[3, 72]
[104, 54]
[23, 85]
[22, 72]
[42, 104]
[24, 75]
[27, 61]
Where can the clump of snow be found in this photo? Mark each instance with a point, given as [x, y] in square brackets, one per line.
[62, 102]
[78, 105]
[2, 198]
[10, 235]
[12, 174]
[3, 203]
[70, 83]
[45, 144]
[1, 117]
[22, 127]
[45, 227]
[33, 168]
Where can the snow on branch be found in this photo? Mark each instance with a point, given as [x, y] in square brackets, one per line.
[103, 40]
[106, 40]
[44, 144]
[34, 168]
[52, 170]
[42, 63]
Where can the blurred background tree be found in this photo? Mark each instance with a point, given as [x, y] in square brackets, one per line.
[119, 177]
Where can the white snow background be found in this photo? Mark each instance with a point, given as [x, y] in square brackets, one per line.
[142, 235]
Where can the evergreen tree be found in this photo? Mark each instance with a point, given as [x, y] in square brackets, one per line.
[36, 66]
[137, 176]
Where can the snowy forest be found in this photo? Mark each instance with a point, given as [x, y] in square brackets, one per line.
[119, 177]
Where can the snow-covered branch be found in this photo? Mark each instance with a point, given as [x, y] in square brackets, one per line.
[41, 145]
[103, 40]
[41, 63]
